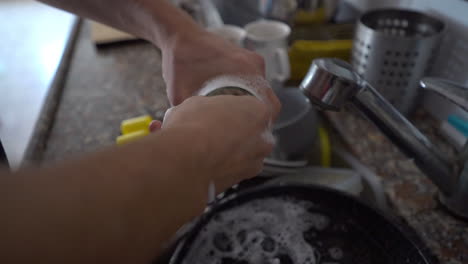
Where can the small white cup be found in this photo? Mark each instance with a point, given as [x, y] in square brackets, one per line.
[233, 34]
[270, 39]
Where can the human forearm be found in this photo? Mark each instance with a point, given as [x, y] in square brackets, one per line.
[191, 56]
[112, 207]
[158, 21]
[121, 205]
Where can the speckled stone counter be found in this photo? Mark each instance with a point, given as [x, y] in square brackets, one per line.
[107, 85]
[410, 193]
[104, 86]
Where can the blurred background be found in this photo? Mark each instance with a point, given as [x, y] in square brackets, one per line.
[34, 38]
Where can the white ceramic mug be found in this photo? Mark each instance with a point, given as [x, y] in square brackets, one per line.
[270, 39]
[233, 34]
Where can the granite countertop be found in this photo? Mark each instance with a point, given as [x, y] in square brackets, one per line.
[411, 194]
[103, 86]
[107, 85]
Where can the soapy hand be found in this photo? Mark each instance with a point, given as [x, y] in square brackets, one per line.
[231, 145]
[192, 59]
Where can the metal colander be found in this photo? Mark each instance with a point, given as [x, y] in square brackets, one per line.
[393, 49]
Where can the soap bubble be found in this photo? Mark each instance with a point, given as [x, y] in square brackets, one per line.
[271, 230]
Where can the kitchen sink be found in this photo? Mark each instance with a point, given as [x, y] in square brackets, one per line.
[369, 189]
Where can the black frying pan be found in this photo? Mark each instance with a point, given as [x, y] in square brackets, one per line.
[369, 236]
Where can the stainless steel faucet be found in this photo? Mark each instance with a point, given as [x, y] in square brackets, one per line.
[332, 83]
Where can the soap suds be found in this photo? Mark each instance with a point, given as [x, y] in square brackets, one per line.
[255, 85]
[269, 230]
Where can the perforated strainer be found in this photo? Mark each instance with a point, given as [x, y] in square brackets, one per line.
[393, 49]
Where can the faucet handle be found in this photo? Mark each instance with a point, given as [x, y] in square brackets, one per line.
[454, 92]
[457, 94]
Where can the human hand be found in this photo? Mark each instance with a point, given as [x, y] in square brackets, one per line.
[191, 59]
[228, 132]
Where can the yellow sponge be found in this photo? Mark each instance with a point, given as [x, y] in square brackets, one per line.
[307, 18]
[303, 52]
[123, 139]
[135, 124]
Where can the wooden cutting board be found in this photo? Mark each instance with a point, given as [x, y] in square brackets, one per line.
[102, 34]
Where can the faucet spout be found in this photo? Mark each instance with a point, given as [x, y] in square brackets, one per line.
[406, 136]
[331, 83]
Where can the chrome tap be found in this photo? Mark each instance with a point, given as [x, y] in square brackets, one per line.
[332, 83]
